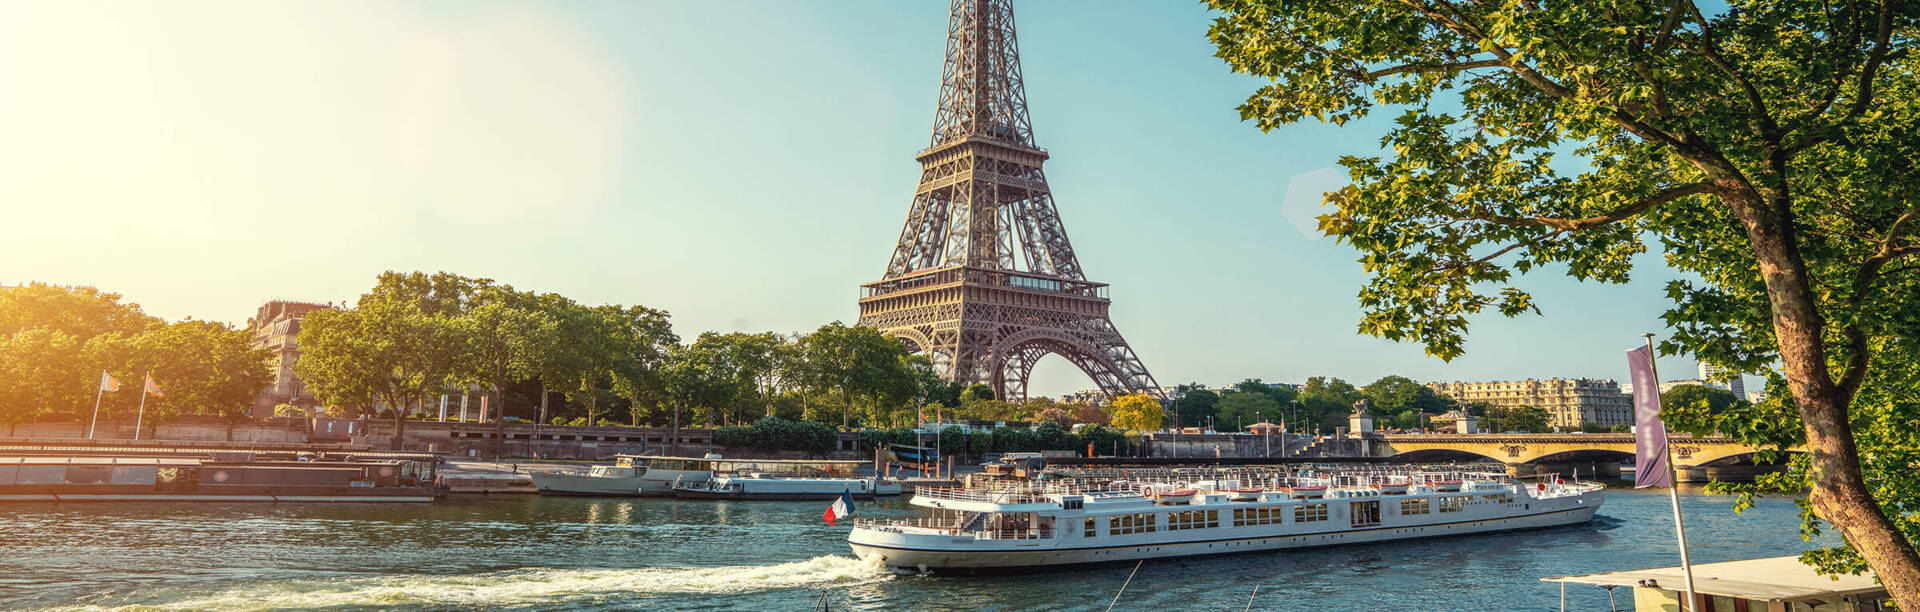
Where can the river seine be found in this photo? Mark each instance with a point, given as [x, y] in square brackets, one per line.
[558, 553]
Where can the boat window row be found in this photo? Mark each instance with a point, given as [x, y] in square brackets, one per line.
[1193, 519]
[1264, 515]
[1500, 498]
[86, 474]
[1122, 524]
[1307, 513]
[1415, 506]
[1453, 504]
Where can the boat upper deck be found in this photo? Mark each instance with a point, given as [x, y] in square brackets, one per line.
[1119, 489]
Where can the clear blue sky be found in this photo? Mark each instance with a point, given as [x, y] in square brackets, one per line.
[744, 165]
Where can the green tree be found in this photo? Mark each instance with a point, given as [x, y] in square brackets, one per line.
[1695, 403]
[42, 372]
[1138, 412]
[1394, 394]
[858, 363]
[553, 357]
[1239, 409]
[78, 312]
[1051, 436]
[1194, 404]
[502, 329]
[1528, 419]
[643, 338]
[201, 367]
[339, 360]
[976, 393]
[1767, 148]
[1326, 402]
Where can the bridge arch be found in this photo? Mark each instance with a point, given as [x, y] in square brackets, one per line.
[1442, 455]
[1583, 455]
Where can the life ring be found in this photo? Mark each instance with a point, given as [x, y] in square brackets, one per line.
[1543, 486]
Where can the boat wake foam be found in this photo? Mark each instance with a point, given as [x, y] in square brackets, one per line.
[542, 587]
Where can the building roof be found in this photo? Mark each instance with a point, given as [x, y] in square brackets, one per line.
[1770, 578]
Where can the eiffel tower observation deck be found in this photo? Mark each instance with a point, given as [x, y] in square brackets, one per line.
[984, 281]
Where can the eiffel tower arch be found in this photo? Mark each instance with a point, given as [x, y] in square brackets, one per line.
[983, 279]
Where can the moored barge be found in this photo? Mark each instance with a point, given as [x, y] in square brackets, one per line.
[232, 479]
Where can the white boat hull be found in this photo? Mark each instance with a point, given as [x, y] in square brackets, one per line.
[553, 483]
[907, 552]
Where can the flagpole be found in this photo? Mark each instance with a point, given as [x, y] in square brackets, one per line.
[146, 382]
[1673, 489]
[99, 390]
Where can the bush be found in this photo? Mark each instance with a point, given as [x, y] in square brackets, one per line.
[557, 421]
[872, 439]
[1623, 428]
[816, 438]
[1011, 440]
[733, 437]
[953, 439]
[1050, 436]
[772, 434]
[980, 444]
[903, 435]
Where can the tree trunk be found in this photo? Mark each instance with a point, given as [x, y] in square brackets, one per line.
[499, 421]
[543, 407]
[399, 422]
[846, 408]
[673, 443]
[593, 404]
[1840, 494]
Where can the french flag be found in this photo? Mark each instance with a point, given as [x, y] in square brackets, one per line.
[841, 508]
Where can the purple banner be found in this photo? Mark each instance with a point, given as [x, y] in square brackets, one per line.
[1649, 434]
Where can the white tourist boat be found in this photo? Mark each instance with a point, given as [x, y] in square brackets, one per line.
[1071, 521]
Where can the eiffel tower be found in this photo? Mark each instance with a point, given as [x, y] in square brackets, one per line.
[984, 281]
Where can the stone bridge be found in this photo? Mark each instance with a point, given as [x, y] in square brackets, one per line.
[1697, 459]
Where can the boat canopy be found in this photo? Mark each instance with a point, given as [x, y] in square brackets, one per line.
[780, 467]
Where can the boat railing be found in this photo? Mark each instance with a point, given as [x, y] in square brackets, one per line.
[948, 528]
[992, 496]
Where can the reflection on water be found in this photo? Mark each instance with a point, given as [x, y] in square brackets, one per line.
[537, 553]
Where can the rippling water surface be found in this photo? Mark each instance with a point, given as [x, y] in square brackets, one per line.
[548, 553]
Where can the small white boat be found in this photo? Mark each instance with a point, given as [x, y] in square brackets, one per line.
[629, 476]
[1244, 494]
[1307, 491]
[601, 481]
[1167, 495]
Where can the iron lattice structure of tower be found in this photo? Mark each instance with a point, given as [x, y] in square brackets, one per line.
[983, 280]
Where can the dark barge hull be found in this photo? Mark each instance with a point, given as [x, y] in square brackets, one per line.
[230, 493]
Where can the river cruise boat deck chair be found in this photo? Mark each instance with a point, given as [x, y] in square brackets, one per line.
[1772, 584]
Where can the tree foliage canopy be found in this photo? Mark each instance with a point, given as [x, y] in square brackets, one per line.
[55, 342]
[1768, 149]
